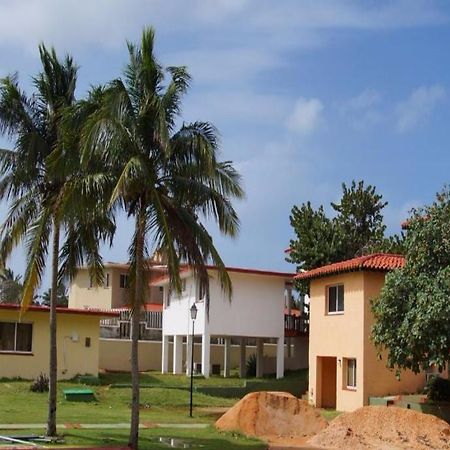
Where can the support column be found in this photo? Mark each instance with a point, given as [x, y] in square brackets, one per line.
[226, 357]
[280, 357]
[188, 354]
[205, 354]
[259, 357]
[242, 358]
[165, 354]
[177, 354]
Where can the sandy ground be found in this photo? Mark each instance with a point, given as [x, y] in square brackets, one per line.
[286, 422]
[380, 427]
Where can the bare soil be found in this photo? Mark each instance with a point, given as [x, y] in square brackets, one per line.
[274, 416]
[384, 428]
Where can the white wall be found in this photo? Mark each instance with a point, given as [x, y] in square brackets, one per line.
[256, 308]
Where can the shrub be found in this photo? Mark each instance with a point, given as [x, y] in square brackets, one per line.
[40, 384]
[250, 366]
[438, 389]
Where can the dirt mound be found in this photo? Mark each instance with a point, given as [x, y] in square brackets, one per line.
[387, 428]
[272, 414]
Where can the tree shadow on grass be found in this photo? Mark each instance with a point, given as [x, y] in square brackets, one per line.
[160, 439]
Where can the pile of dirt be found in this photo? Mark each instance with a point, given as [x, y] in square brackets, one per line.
[272, 415]
[380, 427]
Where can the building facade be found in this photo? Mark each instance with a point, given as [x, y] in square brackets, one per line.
[344, 367]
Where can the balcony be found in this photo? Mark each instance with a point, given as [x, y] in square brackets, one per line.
[295, 325]
[150, 325]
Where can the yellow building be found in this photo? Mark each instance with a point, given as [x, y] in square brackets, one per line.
[344, 370]
[24, 341]
[113, 294]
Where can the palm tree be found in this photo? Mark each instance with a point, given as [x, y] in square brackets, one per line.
[167, 180]
[40, 178]
[10, 286]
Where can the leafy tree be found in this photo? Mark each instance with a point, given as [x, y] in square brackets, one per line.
[359, 221]
[10, 287]
[62, 299]
[356, 229]
[167, 180]
[41, 178]
[412, 313]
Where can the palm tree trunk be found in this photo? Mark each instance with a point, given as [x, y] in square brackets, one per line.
[53, 373]
[138, 300]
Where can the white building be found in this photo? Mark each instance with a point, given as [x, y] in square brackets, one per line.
[256, 310]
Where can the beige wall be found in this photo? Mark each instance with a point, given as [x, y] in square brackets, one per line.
[113, 296]
[339, 336]
[347, 335]
[115, 355]
[378, 380]
[73, 356]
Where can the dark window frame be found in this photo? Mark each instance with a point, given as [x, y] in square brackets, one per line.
[19, 327]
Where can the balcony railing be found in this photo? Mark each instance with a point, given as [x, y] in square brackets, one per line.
[296, 325]
[150, 325]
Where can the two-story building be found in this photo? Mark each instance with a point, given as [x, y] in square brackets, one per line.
[344, 368]
[255, 312]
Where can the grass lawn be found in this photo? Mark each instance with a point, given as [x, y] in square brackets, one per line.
[167, 401]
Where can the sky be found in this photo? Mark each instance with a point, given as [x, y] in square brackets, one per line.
[306, 94]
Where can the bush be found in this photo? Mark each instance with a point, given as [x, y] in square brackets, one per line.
[438, 389]
[250, 366]
[40, 384]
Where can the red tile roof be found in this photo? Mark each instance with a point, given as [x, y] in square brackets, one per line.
[376, 261]
[38, 308]
[270, 273]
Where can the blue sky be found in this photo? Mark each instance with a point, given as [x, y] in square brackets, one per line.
[306, 94]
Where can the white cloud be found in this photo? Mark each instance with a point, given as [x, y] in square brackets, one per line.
[362, 110]
[418, 107]
[306, 116]
[106, 23]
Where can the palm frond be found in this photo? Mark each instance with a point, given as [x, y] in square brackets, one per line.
[37, 249]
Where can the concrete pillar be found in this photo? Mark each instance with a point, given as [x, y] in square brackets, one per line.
[259, 357]
[165, 354]
[280, 357]
[205, 354]
[226, 357]
[188, 354]
[177, 354]
[242, 358]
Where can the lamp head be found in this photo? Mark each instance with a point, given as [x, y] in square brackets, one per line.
[193, 312]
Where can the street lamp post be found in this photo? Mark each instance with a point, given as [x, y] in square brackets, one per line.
[193, 317]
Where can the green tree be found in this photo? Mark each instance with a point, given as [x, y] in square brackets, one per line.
[62, 300]
[356, 229]
[412, 312]
[10, 287]
[167, 180]
[40, 178]
[359, 219]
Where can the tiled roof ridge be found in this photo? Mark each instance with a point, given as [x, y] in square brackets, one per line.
[389, 261]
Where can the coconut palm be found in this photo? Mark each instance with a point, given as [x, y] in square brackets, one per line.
[40, 177]
[10, 286]
[167, 180]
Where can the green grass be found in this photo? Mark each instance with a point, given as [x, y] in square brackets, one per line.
[167, 401]
[208, 438]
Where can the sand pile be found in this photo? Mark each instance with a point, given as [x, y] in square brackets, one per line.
[380, 427]
[272, 415]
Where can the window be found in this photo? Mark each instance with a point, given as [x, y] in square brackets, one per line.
[124, 281]
[15, 337]
[106, 280]
[351, 373]
[336, 299]
[201, 292]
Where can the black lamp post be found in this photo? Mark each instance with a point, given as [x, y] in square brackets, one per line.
[193, 317]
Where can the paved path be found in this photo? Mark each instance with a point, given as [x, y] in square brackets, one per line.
[100, 426]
